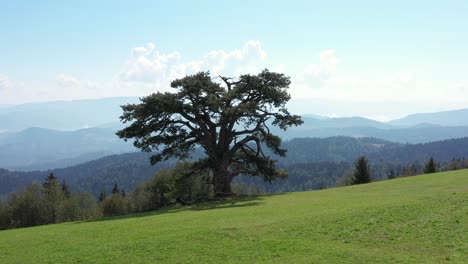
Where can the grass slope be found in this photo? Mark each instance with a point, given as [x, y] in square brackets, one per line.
[421, 219]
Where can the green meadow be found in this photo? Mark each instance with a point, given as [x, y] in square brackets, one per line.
[420, 219]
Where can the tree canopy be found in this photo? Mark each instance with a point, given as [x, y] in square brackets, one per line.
[229, 119]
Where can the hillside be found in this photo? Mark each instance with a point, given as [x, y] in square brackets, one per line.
[420, 219]
[50, 135]
[130, 169]
[415, 134]
[40, 149]
[310, 162]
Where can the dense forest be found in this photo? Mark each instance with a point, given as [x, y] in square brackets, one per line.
[311, 163]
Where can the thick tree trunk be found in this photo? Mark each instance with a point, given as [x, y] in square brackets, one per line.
[222, 182]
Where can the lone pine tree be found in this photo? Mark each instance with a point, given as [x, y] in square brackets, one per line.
[230, 120]
[362, 171]
[430, 166]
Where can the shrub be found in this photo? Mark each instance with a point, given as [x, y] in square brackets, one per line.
[115, 205]
[27, 208]
[181, 185]
[145, 198]
[171, 186]
[4, 216]
[80, 206]
[346, 180]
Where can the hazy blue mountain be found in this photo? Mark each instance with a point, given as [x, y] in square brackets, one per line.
[416, 134]
[63, 115]
[342, 122]
[130, 169]
[72, 115]
[315, 116]
[362, 127]
[446, 118]
[26, 148]
[39, 148]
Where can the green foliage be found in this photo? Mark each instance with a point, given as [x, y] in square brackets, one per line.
[102, 196]
[419, 219]
[114, 205]
[65, 189]
[430, 166]
[4, 216]
[310, 163]
[170, 186]
[80, 206]
[362, 172]
[115, 189]
[146, 197]
[411, 170]
[27, 207]
[53, 197]
[455, 164]
[182, 185]
[46, 204]
[346, 180]
[230, 121]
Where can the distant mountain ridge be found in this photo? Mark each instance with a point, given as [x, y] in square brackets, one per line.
[39, 148]
[445, 118]
[77, 114]
[130, 169]
[65, 133]
[63, 115]
[341, 122]
[416, 134]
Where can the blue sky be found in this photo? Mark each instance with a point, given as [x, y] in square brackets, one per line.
[411, 55]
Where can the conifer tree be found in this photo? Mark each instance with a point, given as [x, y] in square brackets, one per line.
[102, 196]
[65, 189]
[362, 171]
[115, 189]
[49, 180]
[53, 196]
[430, 166]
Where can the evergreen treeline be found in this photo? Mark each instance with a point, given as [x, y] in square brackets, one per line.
[311, 164]
[52, 202]
[46, 203]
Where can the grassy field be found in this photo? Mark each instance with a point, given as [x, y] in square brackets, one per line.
[422, 219]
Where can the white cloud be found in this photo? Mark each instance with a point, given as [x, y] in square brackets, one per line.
[147, 65]
[5, 82]
[326, 66]
[66, 80]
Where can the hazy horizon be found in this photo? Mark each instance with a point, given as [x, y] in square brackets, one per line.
[377, 60]
[384, 111]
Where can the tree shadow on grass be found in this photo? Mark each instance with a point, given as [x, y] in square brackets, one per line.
[223, 203]
[235, 202]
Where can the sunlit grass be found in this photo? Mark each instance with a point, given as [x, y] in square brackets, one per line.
[421, 219]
